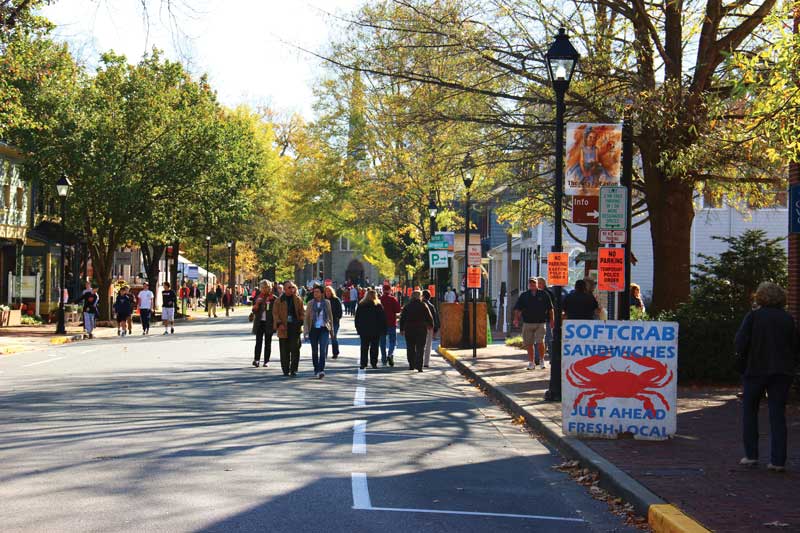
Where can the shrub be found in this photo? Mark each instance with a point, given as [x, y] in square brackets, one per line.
[722, 290]
[515, 342]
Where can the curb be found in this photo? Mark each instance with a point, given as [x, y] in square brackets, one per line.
[66, 339]
[661, 516]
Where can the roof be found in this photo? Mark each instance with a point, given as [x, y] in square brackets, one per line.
[52, 233]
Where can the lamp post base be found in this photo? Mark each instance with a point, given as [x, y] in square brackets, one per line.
[551, 397]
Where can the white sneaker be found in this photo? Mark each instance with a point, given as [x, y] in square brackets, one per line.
[266, 365]
[744, 461]
[531, 366]
[543, 366]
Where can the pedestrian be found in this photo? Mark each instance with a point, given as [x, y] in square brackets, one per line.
[183, 294]
[541, 284]
[346, 300]
[317, 328]
[132, 298]
[90, 301]
[123, 310]
[768, 353]
[450, 296]
[227, 301]
[211, 303]
[580, 304]
[636, 298]
[336, 308]
[169, 301]
[219, 291]
[194, 295]
[278, 290]
[392, 308]
[426, 298]
[415, 319]
[262, 322]
[535, 308]
[145, 298]
[288, 316]
[353, 299]
[371, 327]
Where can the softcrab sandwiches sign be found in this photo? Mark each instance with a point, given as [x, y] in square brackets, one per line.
[619, 378]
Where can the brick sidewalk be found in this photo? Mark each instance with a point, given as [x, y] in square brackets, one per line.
[696, 471]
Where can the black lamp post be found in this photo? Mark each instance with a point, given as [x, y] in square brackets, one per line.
[433, 209]
[468, 176]
[230, 262]
[62, 187]
[208, 256]
[561, 60]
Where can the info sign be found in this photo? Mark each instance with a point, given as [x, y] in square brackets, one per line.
[611, 269]
[619, 377]
[585, 210]
[794, 208]
[613, 202]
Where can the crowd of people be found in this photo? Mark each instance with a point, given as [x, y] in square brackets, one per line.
[279, 309]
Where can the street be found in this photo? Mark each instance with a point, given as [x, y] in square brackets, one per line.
[181, 433]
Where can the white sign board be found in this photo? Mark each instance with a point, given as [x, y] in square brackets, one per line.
[613, 204]
[619, 377]
[613, 236]
[474, 252]
[438, 258]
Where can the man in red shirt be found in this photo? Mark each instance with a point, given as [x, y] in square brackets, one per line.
[392, 308]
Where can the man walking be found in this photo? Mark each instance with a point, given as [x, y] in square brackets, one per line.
[169, 301]
[288, 316]
[211, 303]
[536, 309]
[391, 307]
[90, 301]
[145, 306]
[426, 298]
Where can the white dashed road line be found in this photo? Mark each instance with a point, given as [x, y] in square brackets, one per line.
[362, 374]
[360, 399]
[45, 361]
[360, 436]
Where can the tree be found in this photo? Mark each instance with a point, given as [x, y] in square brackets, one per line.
[637, 60]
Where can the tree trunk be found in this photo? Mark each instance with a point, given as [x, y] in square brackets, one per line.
[671, 216]
[173, 266]
[102, 263]
[152, 257]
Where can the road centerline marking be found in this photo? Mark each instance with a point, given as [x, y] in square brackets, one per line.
[360, 436]
[360, 491]
[362, 374]
[45, 361]
[360, 398]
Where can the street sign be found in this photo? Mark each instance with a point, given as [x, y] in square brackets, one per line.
[558, 268]
[585, 209]
[474, 255]
[448, 236]
[473, 278]
[438, 244]
[193, 272]
[613, 215]
[611, 269]
[794, 208]
[613, 236]
[438, 258]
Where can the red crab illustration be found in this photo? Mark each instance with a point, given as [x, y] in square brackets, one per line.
[619, 384]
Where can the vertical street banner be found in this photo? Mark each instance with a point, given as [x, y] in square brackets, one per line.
[619, 377]
[594, 158]
[558, 269]
[794, 209]
[611, 269]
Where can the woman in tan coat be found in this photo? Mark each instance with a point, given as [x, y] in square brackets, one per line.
[287, 316]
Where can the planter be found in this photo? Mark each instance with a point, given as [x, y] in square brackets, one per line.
[14, 318]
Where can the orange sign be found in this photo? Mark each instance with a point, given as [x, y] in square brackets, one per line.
[558, 268]
[409, 290]
[474, 278]
[611, 269]
[432, 290]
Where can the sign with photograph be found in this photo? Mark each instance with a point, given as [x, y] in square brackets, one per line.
[594, 157]
[619, 377]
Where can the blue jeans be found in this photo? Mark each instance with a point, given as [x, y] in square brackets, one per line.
[777, 388]
[319, 338]
[391, 336]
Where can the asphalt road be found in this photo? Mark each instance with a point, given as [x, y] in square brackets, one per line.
[180, 433]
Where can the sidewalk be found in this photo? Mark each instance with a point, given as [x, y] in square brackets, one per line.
[26, 338]
[697, 471]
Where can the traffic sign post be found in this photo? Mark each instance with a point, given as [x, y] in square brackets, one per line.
[438, 258]
[585, 210]
[611, 270]
[613, 212]
[474, 252]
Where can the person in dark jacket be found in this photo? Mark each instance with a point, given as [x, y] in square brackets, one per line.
[336, 309]
[768, 350]
[90, 302]
[262, 322]
[580, 304]
[370, 325]
[426, 358]
[227, 301]
[123, 309]
[415, 319]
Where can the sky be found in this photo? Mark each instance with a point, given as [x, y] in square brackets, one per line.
[247, 47]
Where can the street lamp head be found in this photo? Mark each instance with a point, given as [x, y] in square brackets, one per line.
[561, 58]
[468, 170]
[432, 207]
[208, 238]
[63, 185]
[230, 244]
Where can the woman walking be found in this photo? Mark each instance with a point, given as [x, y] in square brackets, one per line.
[288, 315]
[768, 350]
[90, 302]
[415, 319]
[262, 322]
[371, 326]
[336, 308]
[317, 327]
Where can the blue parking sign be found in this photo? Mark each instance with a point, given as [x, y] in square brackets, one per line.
[794, 208]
